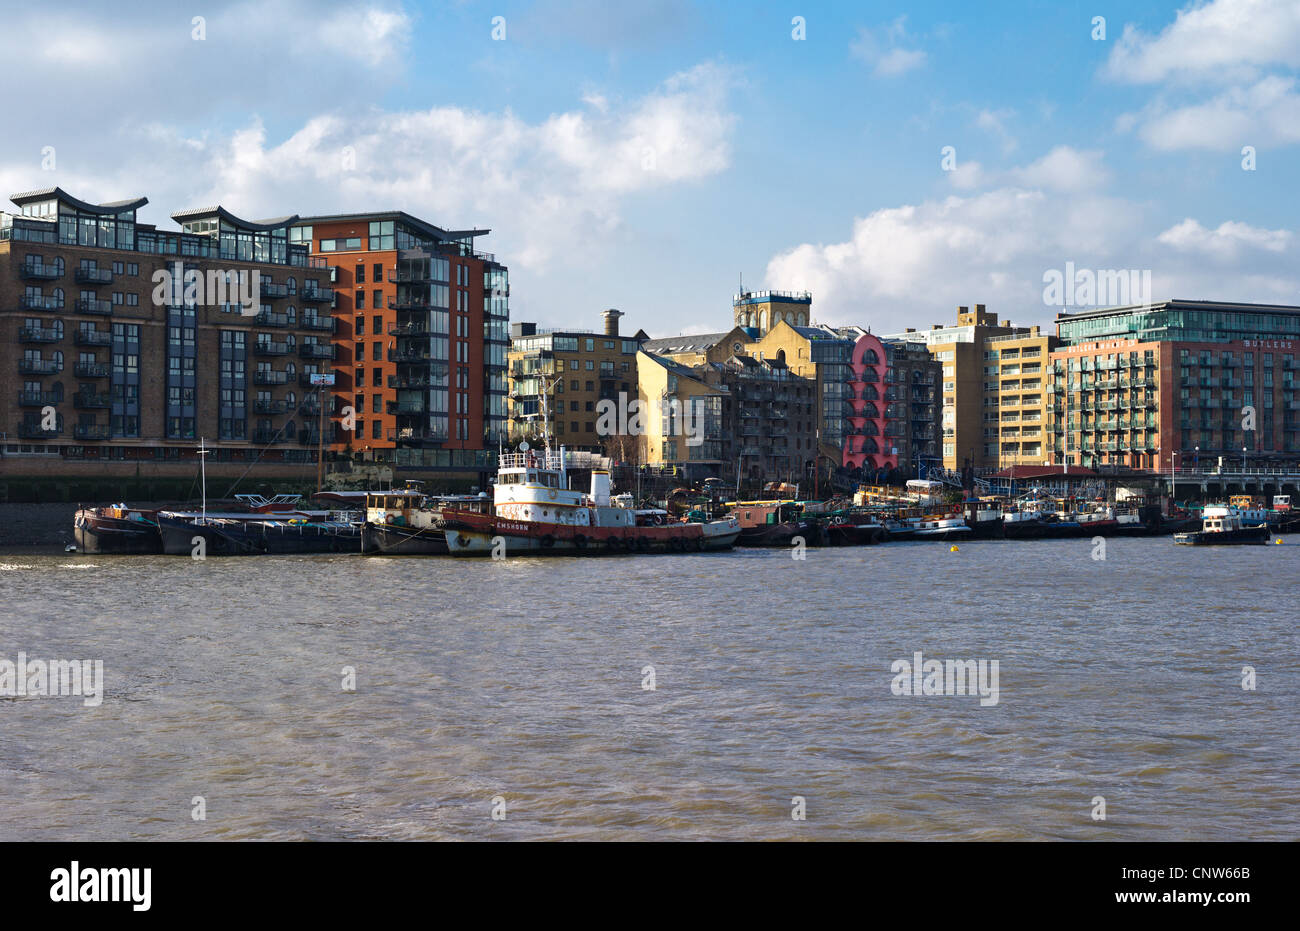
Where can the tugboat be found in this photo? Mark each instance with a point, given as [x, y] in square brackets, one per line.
[1223, 525]
[984, 518]
[406, 522]
[536, 513]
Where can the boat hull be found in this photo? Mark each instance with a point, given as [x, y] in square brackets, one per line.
[180, 538]
[485, 535]
[394, 540]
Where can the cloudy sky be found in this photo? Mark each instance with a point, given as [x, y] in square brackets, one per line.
[646, 158]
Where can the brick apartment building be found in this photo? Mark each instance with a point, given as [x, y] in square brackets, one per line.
[422, 339]
[107, 370]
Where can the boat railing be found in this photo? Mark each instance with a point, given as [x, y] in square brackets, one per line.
[533, 459]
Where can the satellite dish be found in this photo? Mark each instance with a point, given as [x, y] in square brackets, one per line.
[523, 447]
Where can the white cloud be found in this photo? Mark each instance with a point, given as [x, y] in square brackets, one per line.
[1266, 113]
[551, 189]
[966, 176]
[1062, 169]
[1228, 241]
[1215, 41]
[994, 121]
[883, 49]
[1224, 72]
[1065, 169]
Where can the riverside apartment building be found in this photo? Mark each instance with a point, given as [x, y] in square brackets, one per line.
[105, 371]
[422, 342]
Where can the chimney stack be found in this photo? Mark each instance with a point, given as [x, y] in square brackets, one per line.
[611, 321]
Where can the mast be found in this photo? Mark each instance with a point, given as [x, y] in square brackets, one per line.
[203, 471]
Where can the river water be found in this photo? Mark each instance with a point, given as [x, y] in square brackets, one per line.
[524, 681]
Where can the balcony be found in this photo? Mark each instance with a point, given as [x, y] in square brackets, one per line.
[404, 381]
[91, 370]
[94, 338]
[268, 436]
[316, 351]
[309, 408]
[31, 334]
[91, 400]
[316, 295]
[93, 276]
[309, 437]
[39, 366]
[266, 318]
[90, 306]
[40, 302]
[323, 324]
[270, 406]
[401, 407]
[415, 434]
[91, 431]
[272, 290]
[39, 398]
[39, 271]
[413, 330]
[266, 377]
[34, 431]
[410, 305]
[264, 347]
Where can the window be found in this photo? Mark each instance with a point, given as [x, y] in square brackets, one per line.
[377, 298]
[379, 272]
[376, 350]
[361, 300]
[360, 273]
[376, 325]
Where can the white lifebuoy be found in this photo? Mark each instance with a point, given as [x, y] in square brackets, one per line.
[552, 493]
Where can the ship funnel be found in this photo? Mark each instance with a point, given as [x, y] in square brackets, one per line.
[600, 488]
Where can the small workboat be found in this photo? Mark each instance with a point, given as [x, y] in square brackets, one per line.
[1223, 525]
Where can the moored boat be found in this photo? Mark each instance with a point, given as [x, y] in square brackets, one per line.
[406, 522]
[117, 529]
[536, 513]
[1223, 525]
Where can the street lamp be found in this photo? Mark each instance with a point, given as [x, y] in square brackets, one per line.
[1243, 460]
[1196, 461]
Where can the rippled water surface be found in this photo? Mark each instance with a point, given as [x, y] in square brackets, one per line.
[523, 679]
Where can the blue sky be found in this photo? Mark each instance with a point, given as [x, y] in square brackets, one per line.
[645, 158]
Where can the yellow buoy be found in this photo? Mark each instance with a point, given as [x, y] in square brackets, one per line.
[953, 548]
[1278, 541]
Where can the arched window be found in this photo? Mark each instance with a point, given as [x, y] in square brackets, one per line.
[292, 313]
[290, 369]
[762, 319]
[293, 285]
[292, 398]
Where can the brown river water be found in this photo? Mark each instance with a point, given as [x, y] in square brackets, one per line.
[524, 682]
